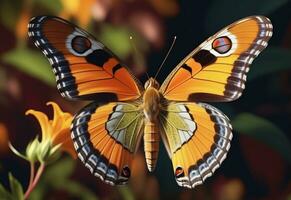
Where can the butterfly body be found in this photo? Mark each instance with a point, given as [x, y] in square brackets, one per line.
[106, 134]
[151, 109]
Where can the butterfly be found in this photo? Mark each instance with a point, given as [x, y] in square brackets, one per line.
[107, 132]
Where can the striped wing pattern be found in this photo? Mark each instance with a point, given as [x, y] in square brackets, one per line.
[199, 149]
[106, 137]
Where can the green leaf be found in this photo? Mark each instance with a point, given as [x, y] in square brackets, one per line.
[31, 150]
[78, 190]
[272, 60]
[10, 12]
[41, 190]
[4, 194]
[60, 171]
[117, 38]
[54, 6]
[32, 63]
[57, 176]
[125, 192]
[16, 188]
[264, 131]
[16, 152]
[224, 12]
[43, 150]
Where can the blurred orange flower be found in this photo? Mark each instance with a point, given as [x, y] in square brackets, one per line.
[228, 189]
[166, 7]
[4, 140]
[57, 130]
[140, 179]
[80, 10]
[21, 24]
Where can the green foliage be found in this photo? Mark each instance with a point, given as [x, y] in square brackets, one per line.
[30, 62]
[273, 59]
[9, 13]
[77, 190]
[16, 190]
[125, 192]
[3, 80]
[3, 193]
[222, 12]
[57, 177]
[60, 171]
[117, 38]
[53, 6]
[263, 131]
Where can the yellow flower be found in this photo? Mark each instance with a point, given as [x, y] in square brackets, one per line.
[55, 132]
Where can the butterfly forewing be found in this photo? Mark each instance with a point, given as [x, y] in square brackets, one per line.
[216, 70]
[83, 67]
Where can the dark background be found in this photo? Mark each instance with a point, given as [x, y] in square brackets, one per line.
[258, 163]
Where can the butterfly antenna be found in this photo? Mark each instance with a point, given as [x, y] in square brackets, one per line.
[137, 53]
[169, 51]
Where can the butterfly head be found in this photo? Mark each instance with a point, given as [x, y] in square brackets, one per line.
[152, 83]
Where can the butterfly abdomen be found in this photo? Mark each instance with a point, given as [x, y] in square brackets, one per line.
[151, 144]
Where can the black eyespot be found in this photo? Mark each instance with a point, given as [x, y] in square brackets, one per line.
[81, 44]
[222, 44]
[125, 172]
[179, 172]
[204, 57]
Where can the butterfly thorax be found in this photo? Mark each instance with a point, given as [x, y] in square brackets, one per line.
[151, 100]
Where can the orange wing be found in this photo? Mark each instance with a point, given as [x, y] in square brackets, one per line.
[84, 68]
[197, 138]
[216, 70]
[106, 137]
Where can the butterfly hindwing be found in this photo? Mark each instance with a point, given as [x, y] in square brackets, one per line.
[216, 70]
[197, 138]
[106, 137]
[84, 68]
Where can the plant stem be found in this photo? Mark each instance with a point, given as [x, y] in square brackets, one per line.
[31, 173]
[35, 181]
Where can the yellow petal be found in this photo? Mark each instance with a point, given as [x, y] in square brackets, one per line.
[61, 129]
[57, 116]
[60, 118]
[44, 123]
[64, 138]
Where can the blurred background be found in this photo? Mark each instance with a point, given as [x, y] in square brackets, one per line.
[258, 163]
